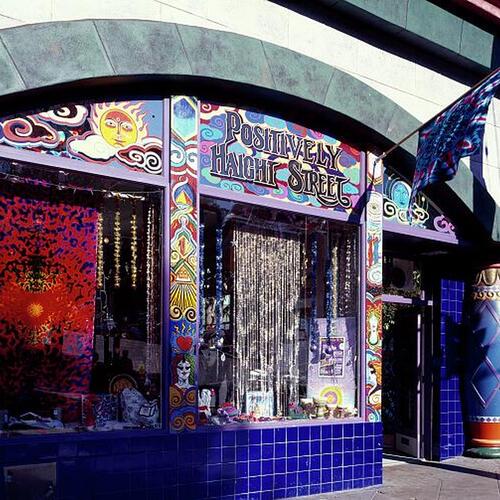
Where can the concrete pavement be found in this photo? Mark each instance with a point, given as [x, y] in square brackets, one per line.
[454, 479]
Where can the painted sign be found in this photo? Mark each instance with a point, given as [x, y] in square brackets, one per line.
[254, 153]
[331, 363]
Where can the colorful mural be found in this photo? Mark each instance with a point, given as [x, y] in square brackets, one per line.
[424, 214]
[373, 302]
[126, 134]
[254, 153]
[183, 261]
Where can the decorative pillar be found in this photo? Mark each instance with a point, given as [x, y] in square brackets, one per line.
[183, 300]
[373, 295]
[482, 379]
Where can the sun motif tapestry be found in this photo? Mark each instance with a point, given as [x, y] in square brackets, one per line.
[47, 295]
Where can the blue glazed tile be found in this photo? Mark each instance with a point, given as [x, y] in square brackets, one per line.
[326, 461]
[279, 450]
[316, 462]
[304, 463]
[242, 470]
[242, 453]
[347, 485]
[228, 454]
[291, 479]
[228, 438]
[347, 473]
[214, 472]
[304, 448]
[303, 478]
[255, 452]
[314, 489]
[254, 484]
[268, 435]
[242, 437]
[326, 446]
[254, 468]
[267, 451]
[326, 431]
[266, 495]
[358, 472]
[292, 464]
[266, 483]
[267, 466]
[316, 432]
[348, 430]
[281, 493]
[255, 436]
[359, 429]
[358, 457]
[315, 477]
[315, 447]
[326, 476]
[357, 483]
[337, 431]
[280, 465]
[279, 481]
[337, 474]
[214, 439]
[241, 486]
[304, 433]
[358, 443]
[291, 492]
[291, 434]
[279, 435]
[291, 449]
[214, 456]
[228, 471]
[326, 487]
[348, 444]
[303, 491]
[227, 487]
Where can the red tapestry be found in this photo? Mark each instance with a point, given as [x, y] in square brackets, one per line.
[47, 297]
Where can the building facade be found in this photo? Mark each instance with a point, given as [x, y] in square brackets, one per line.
[209, 284]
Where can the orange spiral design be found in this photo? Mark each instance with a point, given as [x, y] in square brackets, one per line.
[191, 396]
[177, 423]
[175, 397]
[190, 421]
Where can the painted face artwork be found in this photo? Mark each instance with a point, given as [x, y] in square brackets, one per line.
[118, 128]
[183, 372]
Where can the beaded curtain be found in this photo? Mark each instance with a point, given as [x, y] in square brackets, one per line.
[268, 279]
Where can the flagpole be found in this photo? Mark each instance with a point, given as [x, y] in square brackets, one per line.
[406, 137]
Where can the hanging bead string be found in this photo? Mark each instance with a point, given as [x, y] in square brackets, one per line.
[133, 249]
[117, 245]
[201, 312]
[150, 313]
[313, 321]
[219, 339]
[100, 252]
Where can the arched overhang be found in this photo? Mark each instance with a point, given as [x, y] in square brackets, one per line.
[44, 62]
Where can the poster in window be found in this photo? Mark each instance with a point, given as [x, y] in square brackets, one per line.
[260, 402]
[332, 358]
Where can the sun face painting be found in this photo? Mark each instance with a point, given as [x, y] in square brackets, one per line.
[117, 128]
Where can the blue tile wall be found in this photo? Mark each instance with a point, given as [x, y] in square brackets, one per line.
[451, 428]
[234, 464]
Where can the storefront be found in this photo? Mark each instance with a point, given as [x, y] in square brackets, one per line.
[208, 312]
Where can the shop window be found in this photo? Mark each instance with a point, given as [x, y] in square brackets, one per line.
[278, 315]
[79, 309]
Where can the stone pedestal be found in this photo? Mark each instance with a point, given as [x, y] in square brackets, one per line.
[482, 363]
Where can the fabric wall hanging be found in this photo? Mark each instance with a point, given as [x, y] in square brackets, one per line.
[47, 295]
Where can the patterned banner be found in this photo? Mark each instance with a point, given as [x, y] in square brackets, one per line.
[257, 154]
[183, 261]
[373, 301]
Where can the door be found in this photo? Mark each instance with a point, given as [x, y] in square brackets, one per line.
[402, 385]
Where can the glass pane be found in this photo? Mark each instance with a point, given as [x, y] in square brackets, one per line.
[79, 314]
[278, 315]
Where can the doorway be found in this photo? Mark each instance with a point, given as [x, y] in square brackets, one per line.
[402, 387]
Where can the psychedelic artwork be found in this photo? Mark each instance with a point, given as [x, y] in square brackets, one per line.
[425, 215]
[373, 300]
[47, 296]
[253, 153]
[183, 261]
[125, 134]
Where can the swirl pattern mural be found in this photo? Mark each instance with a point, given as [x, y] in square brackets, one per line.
[183, 261]
[373, 299]
[125, 134]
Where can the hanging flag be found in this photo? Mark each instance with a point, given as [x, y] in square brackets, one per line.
[454, 134]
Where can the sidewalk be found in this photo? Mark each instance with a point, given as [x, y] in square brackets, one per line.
[455, 479]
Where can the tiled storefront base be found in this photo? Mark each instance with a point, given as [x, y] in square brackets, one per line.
[247, 464]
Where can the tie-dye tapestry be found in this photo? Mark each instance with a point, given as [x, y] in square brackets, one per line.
[47, 297]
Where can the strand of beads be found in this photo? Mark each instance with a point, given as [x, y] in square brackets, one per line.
[100, 252]
[117, 241]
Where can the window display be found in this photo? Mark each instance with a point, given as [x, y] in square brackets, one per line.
[278, 315]
[79, 323]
